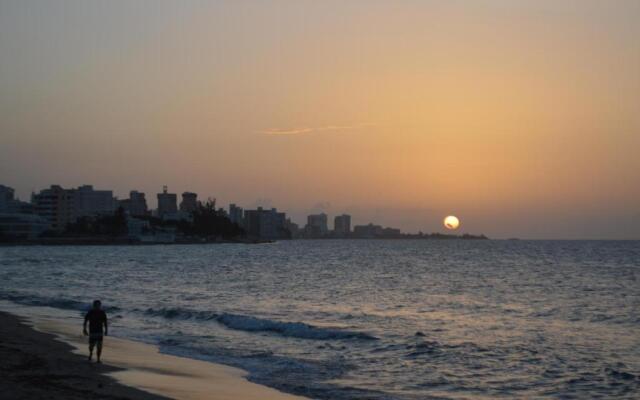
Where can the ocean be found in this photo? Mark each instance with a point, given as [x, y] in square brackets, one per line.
[366, 319]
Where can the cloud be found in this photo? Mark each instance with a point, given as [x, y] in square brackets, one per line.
[299, 131]
[294, 131]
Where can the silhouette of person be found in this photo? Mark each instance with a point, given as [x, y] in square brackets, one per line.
[97, 318]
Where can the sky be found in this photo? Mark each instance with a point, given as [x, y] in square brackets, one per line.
[522, 118]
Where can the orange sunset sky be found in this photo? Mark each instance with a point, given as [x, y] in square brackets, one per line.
[520, 117]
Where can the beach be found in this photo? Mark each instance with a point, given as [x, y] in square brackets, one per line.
[36, 366]
[45, 359]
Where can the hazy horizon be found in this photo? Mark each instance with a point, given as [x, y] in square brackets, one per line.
[521, 118]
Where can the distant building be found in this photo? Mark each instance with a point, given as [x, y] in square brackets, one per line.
[236, 214]
[89, 202]
[61, 207]
[15, 226]
[9, 204]
[367, 231]
[391, 233]
[167, 203]
[266, 224]
[6, 197]
[17, 220]
[189, 202]
[135, 205]
[56, 206]
[316, 225]
[342, 225]
[292, 227]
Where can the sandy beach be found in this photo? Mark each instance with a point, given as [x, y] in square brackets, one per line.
[47, 359]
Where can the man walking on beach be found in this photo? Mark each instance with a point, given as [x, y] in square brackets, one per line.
[97, 318]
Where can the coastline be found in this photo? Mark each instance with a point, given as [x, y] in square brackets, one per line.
[52, 354]
[129, 242]
[36, 366]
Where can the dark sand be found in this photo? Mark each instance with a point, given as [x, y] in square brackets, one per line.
[33, 365]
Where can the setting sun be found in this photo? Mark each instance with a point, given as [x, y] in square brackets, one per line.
[451, 222]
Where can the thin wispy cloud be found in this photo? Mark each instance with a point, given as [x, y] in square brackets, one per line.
[292, 131]
[305, 130]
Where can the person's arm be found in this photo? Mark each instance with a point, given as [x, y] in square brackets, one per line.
[106, 327]
[84, 326]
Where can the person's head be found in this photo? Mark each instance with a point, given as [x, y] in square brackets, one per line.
[97, 304]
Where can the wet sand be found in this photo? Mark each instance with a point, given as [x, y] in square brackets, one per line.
[36, 366]
[50, 362]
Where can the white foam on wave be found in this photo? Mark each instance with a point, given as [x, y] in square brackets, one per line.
[253, 324]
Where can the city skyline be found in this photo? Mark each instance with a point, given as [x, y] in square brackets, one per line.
[84, 214]
[518, 117]
[89, 202]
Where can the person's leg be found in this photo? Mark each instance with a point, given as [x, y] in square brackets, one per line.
[91, 345]
[99, 352]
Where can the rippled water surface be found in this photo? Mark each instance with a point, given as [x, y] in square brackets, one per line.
[367, 319]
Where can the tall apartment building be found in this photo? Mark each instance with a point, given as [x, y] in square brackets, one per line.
[236, 214]
[6, 197]
[89, 202]
[56, 206]
[316, 225]
[61, 207]
[266, 224]
[136, 204]
[189, 202]
[167, 202]
[342, 225]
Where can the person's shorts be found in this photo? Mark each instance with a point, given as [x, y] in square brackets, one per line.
[95, 338]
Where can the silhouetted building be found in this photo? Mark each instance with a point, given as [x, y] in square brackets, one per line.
[136, 204]
[17, 220]
[189, 202]
[9, 204]
[56, 206]
[391, 233]
[292, 227]
[61, 207]
[236, 214]
[342, 225]
[167, 203]
[16, 226]
[6, 197]
[316, 225]
[367, 231]
[266, 224]
[89, 202]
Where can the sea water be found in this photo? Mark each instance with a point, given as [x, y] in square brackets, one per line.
[366, 319]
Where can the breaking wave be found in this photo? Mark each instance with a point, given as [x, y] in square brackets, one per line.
[253, 324]
[44, 301]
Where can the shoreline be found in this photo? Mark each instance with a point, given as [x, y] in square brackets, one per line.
[116, 242]
[36, 365]
[126, 242]
[53, 353]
